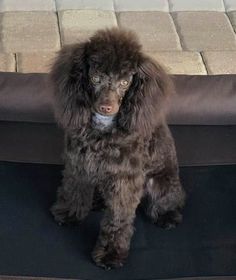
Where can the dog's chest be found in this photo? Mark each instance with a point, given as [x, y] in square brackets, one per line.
[100, 155]
[95, 157]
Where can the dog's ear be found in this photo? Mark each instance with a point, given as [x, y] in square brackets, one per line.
[144, 104]
[69, 79]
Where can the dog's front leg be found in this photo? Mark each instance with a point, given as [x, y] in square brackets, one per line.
[74, 196]
[122, 199]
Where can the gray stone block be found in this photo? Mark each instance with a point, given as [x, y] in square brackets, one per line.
[196, 5]
[156, 30]
[84, 5]
[141, 5]
[230, 5]
[29, 31]
[232, 16]
[7, 62]
[27, 5]
[39, 62]
[223, 62]
[189, 63]
[77, 26]
[201, 31]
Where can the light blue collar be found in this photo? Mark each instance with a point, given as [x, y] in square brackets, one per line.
[102, 122]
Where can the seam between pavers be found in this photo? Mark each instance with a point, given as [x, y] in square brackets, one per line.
[113, 6]
[169, 6]
[15, 68]
[56, 6]
[117, 25]
[17, 59]
[168, 2]
[117, 22]
[176, 31]
[223, 1]
[224, 5]
[231, 24]
[179, 32]
[59, 29]
[204, 62]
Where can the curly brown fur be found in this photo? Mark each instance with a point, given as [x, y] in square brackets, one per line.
[135, 158]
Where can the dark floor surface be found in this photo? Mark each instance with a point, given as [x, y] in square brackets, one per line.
[32, 244]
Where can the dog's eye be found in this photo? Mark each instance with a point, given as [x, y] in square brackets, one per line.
[95, 79]
[124, 83]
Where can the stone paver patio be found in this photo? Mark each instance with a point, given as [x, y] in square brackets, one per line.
[186, 36]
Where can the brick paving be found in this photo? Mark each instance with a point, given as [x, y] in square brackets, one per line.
[27, 5]
[157, 34]
[230, 5]
[79, 25]
[196, 5]
[104, 5]
[141, 5]
[186, 36]
[232, 17]
[220, 62]
[7, 62]
[181, 62]
[37, 62]
[202, 31]
[29, 31]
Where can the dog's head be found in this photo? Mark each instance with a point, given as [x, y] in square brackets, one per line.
[113, 58]
[110, 76]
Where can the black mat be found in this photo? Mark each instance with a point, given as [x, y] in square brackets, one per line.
[32, 244]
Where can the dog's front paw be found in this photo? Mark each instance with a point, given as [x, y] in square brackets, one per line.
[169, 220]
[108, 258]
[61, 214]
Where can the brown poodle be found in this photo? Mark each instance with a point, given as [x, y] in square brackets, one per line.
[110, 100]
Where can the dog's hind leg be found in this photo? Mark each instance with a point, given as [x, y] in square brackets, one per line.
[164, 198]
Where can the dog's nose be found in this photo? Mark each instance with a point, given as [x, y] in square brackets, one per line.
[105, 109]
